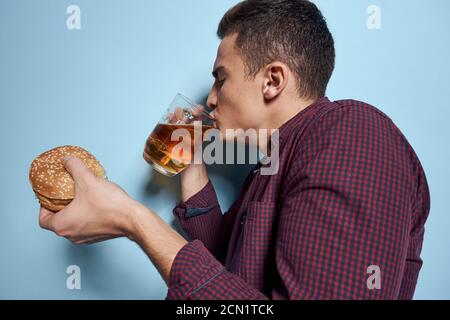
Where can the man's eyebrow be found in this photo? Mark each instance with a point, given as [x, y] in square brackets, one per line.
[215, 73]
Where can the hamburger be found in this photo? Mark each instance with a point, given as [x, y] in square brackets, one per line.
[52, 184]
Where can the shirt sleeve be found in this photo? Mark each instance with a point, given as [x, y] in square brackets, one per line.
[197, 275]
[201, 218]
[421, 212]
[344, 225]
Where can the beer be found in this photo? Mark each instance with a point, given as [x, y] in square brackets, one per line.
[159, 148]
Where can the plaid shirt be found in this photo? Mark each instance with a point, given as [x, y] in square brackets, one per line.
[350, 193]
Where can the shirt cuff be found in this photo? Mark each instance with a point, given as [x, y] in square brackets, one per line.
[200, 203]
[193, 267]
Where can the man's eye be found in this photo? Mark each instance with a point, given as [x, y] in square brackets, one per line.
[220, 82]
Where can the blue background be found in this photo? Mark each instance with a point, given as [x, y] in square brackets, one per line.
[105, 86]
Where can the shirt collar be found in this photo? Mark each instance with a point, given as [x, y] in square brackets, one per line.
[301, 116]
[285, 129]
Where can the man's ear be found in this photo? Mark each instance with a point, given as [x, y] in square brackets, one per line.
[276, 77]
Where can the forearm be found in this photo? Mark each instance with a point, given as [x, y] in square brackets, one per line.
[159, 241]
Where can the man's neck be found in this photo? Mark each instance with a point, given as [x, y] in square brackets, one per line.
[286, 110]
[282, 112]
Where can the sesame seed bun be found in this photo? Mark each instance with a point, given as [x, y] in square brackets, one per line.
[52, 184]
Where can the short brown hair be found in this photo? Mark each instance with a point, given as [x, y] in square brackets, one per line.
[291, 31]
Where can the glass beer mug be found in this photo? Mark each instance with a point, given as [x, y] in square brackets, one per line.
[160, 148]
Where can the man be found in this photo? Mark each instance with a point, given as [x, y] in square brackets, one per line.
[343, 218]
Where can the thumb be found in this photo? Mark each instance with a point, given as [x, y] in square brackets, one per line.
[77, 169]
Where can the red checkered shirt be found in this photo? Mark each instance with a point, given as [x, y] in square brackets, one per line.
[350, 193]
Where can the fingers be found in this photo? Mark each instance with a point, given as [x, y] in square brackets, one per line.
[178, 116]
[51, 221]
[188, 116]
[93, 239]
[77, 169]
[46, 219]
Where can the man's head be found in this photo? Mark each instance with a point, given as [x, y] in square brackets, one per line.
[272, 51]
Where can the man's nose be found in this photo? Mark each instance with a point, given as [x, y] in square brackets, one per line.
[212, 98]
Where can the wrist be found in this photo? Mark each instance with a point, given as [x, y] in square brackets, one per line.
[132, 218]
[158, 240]
[193, 179]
